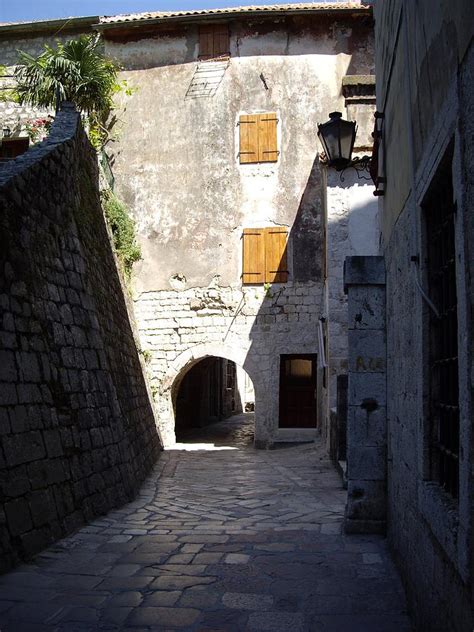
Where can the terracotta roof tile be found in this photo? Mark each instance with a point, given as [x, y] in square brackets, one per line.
[273, 8]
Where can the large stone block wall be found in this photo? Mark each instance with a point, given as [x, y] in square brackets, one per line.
[77, 430]
[424, 532]
[366, 510]
[251, 326]
[431, 534]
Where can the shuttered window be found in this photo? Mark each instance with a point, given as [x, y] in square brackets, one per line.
[214, 41]
[264, 255]
[276, 269]
[258, 138]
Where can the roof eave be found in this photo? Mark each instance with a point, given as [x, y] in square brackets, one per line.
[64, 25]
[137, 23]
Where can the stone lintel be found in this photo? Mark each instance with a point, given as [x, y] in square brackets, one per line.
[358, 86]
[364, 270]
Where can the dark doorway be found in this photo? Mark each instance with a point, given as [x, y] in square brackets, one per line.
[298, 382]
[207, 393]
[10, 148]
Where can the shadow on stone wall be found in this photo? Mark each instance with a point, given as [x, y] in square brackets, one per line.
[77, 430]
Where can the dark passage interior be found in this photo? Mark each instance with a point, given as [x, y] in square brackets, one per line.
[212, 390]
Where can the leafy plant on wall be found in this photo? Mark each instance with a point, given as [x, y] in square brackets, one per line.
[123, 232]
[76, 71]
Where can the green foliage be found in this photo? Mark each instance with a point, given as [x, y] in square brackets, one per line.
[8, 94]
[146, 354]
[77, 71]
[123, 231]
[97, 135]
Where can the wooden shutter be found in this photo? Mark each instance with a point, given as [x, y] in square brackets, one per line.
[214, 41]
[206, 42]
[267, 138]
[276, 267]
[253, 259]
[221, 40]
[248, 124]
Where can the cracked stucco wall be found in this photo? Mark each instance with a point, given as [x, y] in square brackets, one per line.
[176, 164]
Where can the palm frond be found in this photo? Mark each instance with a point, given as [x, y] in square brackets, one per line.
[78, 70]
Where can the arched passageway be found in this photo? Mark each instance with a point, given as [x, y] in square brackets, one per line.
[211, 390]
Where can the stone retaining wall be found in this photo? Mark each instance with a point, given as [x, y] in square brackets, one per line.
[77, 430]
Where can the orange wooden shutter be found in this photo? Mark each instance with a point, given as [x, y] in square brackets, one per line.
[248, 151]
[253, 260]
[267, 138]
[221, 40]
[276, 268]
[206, 42]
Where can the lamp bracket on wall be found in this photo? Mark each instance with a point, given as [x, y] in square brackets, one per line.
[360, 165]
[338, 137]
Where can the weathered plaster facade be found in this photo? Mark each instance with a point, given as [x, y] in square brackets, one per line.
[425, 89]
[177, 165]
[176, 162]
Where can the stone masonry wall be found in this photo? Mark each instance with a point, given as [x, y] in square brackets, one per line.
[428, 63]
[77, 430]
[250, 325]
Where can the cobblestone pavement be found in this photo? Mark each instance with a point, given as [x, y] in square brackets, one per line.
[222, 537]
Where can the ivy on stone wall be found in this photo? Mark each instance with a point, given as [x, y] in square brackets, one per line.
[123, 231]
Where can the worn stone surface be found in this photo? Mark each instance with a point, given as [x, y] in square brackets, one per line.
[251, 326]
[425, 54]
[367, 420]
[282, 510]
[78, 433]
[352, 217]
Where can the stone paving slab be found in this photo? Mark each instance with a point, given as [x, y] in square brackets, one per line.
[229, 539]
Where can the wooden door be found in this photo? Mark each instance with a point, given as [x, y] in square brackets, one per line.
[298, 391]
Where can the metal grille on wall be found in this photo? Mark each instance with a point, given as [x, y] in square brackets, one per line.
[443, 331]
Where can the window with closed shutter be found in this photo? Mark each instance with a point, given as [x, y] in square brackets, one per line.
[253, 265]
[214, 41]
[276, 269]
[264, 256]
[258, 138]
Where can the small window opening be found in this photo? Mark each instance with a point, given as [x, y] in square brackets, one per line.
[439, 213]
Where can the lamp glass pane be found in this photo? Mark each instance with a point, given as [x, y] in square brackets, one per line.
[347, 131]
[330, 135]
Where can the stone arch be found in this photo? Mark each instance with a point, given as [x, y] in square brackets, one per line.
[181, 365]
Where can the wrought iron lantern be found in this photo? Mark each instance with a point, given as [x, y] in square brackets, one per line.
[6, 132]
[337, 136]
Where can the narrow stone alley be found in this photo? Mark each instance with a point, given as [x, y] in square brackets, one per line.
[222, 537]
